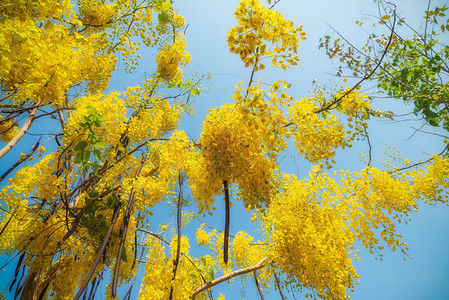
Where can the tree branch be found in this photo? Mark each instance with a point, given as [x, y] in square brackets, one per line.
[214, 282]
[124, 231]
[20, 161]
[226, 231]
[178, 222]
[21, 133]
[258, 285]
[367, 76]
[99, 254]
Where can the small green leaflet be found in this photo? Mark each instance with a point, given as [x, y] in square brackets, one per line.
[163, 17]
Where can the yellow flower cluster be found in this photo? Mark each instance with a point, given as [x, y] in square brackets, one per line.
[160, 174]
[96, 15]
[240, 143]
[38, 53]
[376, 198]
[170, 58]
[432, 184]
[214, 241]
[203, 238]
[262, 32]
[8, 129]
[244, 251]
[312, 224]
[353, 104]
[178, 21]
[158, 278]
[154, 122]
[309, 241]
[232, 150]
[316, 138]
[355, 107]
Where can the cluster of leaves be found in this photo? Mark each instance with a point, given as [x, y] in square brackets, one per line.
[415, 69]
[92, 145]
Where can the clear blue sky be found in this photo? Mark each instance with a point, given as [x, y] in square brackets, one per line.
[426, 276]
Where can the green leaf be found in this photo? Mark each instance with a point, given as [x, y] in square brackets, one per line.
[124, 256]
[97, 154]
[211, 275]
[163, 17]
[111, 200]
[99, 144]
[82, 157]
[92, 194]
[195, 91]
[80, 146]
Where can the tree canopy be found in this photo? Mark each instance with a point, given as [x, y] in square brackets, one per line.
[77, 214]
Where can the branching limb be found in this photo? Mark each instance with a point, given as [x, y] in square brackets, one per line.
[20, 161]
[214, 282]
[326, 107]
[421, 162]
[15, 91]
[22, 131]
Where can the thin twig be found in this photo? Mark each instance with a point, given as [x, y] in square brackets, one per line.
[178, 222]
[419, 163]
[276, 279]
[226, 231]
[10, 94]
[367, 76]
[257, 285]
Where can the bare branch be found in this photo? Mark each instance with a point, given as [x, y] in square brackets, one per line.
[15, 91]
[178, 222]
[226, 231]
[257, 285]
[276, 279]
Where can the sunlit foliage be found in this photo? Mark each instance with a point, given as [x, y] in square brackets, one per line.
[84, 209]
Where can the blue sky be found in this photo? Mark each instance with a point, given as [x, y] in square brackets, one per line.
[426, 276]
